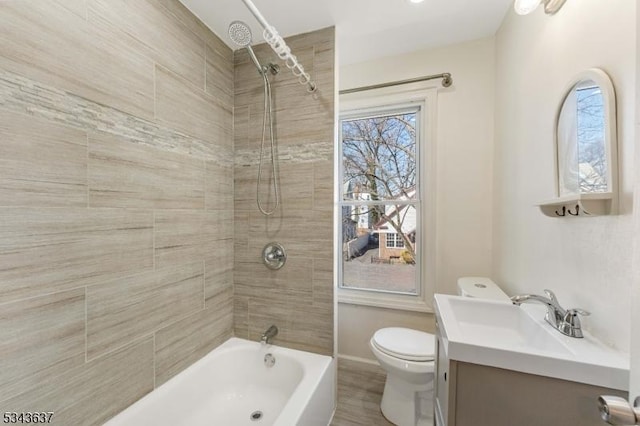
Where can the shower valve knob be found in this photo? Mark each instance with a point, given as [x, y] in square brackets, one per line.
[274, 256]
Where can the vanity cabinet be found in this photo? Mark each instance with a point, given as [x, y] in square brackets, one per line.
[468, 394]
[443, 371]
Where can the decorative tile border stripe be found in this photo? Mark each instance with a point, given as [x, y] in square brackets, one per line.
[303, 153]
[23, 95]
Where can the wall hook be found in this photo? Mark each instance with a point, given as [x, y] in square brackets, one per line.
[564, 211]
[577, 211]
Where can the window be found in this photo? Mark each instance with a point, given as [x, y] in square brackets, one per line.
[384, 164]
[380, 199]
[394, 241]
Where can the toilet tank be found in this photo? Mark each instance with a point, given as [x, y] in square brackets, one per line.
[482, 288]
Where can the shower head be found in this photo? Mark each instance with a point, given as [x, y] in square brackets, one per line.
[240, 33]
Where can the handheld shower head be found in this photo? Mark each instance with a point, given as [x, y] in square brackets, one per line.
[240, 34]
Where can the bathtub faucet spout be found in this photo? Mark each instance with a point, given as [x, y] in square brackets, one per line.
[268, 335]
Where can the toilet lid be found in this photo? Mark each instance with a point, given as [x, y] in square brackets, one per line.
[405, 343]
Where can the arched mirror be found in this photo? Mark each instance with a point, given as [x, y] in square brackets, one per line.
[586, 163]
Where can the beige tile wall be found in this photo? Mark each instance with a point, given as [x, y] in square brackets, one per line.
[116, 201]
[299, 297]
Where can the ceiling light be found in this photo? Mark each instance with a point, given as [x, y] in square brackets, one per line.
[524, 7]
[415, 1]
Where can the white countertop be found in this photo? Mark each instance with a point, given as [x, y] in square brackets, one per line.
[525, 342]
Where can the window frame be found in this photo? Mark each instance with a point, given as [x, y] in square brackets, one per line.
[395, 99]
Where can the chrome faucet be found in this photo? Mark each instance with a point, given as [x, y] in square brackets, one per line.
[566, 321]
[268, 335]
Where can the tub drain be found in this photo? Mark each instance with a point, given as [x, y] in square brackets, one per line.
[255, 416]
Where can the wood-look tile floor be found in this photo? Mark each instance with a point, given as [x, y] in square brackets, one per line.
[360, 387]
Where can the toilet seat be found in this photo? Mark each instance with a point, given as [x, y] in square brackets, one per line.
[405, 343]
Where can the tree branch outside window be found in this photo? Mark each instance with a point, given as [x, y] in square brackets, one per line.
[379, 158]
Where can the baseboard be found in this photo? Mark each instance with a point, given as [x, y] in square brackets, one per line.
[358, 359]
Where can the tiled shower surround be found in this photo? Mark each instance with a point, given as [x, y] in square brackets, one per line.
[299, 297]
[117, 203]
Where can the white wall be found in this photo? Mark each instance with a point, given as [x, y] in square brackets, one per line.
[586, 261]
[634, 383]
[464, 175]
[356, 325]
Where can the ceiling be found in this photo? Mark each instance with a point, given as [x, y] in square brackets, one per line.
[365, 29]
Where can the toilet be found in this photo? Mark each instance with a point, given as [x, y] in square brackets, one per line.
[481, 288]
[408, 357]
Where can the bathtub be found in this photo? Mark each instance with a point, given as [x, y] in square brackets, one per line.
[233, 386]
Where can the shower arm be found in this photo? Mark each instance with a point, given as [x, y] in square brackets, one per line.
[279, 46]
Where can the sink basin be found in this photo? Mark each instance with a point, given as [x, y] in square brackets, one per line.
[502, 325]
[500, 334]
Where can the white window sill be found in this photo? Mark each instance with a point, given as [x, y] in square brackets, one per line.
[385, 300]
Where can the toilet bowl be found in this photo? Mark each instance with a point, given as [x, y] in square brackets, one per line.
[408, 357]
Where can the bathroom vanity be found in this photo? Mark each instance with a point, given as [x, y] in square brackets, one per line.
[501, 365]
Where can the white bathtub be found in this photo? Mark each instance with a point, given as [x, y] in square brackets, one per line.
[232, 382]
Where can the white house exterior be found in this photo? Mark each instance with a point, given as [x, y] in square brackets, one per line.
[358, 215]
[392, 245]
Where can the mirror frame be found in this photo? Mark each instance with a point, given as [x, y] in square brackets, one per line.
[602, 79]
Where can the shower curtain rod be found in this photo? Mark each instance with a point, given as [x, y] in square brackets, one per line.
[279, 46]
[446, 82]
